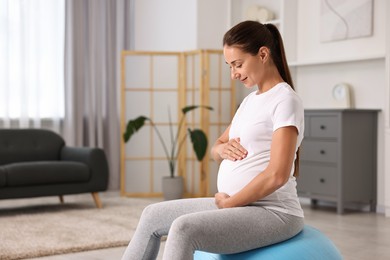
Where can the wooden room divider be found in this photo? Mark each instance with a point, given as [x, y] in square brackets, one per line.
[158, 85]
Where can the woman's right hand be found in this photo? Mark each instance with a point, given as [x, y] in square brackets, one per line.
[233, 150]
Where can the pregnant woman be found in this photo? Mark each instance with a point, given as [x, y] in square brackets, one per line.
[257, 203]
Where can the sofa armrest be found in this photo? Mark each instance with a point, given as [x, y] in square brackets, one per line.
[96, 160]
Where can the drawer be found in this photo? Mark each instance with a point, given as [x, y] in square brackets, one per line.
[321, 180]
[324, 126]
[319, 151]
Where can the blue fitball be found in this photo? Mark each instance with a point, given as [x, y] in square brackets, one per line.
[309, 244]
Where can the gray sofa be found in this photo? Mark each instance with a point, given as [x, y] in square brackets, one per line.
[36, 162]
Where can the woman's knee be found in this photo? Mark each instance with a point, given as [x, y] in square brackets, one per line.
[152, 212]
[181, 242]
[180, 225]
[185, 227]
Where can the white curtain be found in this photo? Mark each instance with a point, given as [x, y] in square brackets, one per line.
[32, 63]
[96, 32]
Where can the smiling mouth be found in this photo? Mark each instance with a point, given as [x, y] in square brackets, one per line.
[242, 80]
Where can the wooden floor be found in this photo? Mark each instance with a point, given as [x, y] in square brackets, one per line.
[358, 235]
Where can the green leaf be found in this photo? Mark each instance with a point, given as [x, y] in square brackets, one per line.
[199, 142]
[133, 126]
[189, 108]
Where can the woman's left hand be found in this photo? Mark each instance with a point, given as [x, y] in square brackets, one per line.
[221, 199]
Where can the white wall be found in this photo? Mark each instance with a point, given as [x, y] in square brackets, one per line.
[387, 118]
[367, 77]
[179, 25]
[212, 22]
[168, 25]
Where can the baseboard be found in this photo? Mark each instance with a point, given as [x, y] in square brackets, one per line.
[351, 206]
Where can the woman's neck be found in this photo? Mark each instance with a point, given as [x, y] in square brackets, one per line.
[272, 77]
[269, 83]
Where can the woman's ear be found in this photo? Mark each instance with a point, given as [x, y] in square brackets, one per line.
[263, 54]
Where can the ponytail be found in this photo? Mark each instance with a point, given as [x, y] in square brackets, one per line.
[278, 54]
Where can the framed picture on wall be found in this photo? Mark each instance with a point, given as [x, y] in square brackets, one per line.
[345, 19]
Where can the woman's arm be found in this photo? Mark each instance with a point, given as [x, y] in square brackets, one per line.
[224, 148]
[273, 177]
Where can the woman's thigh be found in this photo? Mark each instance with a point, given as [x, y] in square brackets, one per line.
[232, 230]
[161, 215]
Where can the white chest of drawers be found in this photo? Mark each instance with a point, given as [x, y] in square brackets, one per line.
[338, 157]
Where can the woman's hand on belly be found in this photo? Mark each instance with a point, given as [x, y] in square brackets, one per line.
[233, 150]
[221, 200]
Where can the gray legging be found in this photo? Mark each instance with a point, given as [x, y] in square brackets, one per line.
[197, 224]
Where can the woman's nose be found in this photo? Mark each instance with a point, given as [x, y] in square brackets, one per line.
[235, 75]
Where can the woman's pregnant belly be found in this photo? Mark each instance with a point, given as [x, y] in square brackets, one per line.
[233, 176]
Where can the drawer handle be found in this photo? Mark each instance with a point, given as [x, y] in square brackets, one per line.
[322, 152]
[322, 127]
[322, 180]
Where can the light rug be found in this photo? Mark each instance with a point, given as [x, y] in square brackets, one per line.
[50, 228]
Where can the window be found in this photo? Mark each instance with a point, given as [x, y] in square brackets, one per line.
[32, 43]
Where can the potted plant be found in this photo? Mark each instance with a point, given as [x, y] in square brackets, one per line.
[173, 185]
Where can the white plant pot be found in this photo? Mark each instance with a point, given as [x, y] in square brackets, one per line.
[173, 188]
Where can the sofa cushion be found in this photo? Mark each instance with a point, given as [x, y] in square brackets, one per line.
[2, 177]
[27, 145]
[44, 172]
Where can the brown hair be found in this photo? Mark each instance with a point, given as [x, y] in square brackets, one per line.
[249, 36]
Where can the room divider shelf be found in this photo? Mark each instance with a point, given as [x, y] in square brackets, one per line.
[155, 84]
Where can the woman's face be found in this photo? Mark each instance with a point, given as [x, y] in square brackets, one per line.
[243, 66]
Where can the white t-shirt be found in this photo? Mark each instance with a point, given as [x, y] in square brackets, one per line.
[258, 116]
